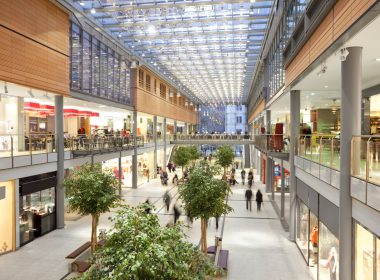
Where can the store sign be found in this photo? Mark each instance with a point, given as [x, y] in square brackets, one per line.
[2, 192]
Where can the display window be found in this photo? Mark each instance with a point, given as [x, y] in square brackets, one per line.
[126, 165]
[145, 167]
[328, 261]
[7, 224]
[302, 239]
[364, 253]
[37, 214]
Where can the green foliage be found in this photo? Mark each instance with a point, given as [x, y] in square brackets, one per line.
[182, 156]
[204, 196]
[139, 248]
[90, 190]
[225, 156]
[193, 153]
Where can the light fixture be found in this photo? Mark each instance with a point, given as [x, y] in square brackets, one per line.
[5, 88]
[81, 3]
[343, 54]
[30, 93]
[323, 69]
[326, 86]
[93, 11]
[151, 29]
[378, 59]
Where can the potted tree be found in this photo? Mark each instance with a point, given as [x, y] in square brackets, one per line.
[193, 154]
[137, 247]
[91, 191]
[224, 157]
[181, 157]
[204, 197]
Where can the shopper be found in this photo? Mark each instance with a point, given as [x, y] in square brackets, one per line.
[250, 178]
[259, 200]
[175, 179]
[242, 177]
[148, 206]
[177, 213]
[332, 263]
[217, 222]
[167, 199]
[170, 166]
[248, 199]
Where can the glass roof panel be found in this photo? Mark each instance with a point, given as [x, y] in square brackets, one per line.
[208, 47]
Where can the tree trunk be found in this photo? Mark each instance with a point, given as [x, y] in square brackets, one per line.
[225, 173]
[94, 241]
[204, 235]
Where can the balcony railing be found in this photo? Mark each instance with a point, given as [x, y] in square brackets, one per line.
[272, 142]
[365, 158]
[31, 145]
[321, 148]
[223, 136]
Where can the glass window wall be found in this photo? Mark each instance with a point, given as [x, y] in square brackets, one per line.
[303, 228]
[364, 254]
[328, 268]
[97, 69]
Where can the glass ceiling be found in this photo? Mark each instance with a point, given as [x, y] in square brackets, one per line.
[208, 48]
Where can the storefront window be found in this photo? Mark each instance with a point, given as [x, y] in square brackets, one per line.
[37, 214]
[328, 268]
[6, 217]
[303, 228]
[363, 254]
[75, 57]
[86, 84]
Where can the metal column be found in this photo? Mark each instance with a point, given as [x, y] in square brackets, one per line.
[247, 156]
[134, 156]
[120, 174]
[164, 132]
[294, 135]
[59, 142]
[155, 146]
[282, 190]
[267, 162]
[175, 130]
[350, 116]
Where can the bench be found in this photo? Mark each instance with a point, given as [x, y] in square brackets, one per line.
[211, 250]
[79, 251]
[223, 259]
[80, 266]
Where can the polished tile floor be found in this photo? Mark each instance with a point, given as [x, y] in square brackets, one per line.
[258, 246]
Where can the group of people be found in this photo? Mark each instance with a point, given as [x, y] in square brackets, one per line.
[248, 198]
[232, 181]
[171, 166]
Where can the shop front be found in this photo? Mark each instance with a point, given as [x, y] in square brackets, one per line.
[145, 126]
[145, 167]
[37, 202]
[317, 228]
[367, 254]
[7, 217]
[126, 165]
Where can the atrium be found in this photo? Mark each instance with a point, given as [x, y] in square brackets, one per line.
[135, 135]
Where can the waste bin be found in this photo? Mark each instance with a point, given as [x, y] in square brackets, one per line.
[218, 241]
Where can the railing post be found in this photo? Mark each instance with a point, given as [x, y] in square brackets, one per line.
[30, 149]
[367, 169]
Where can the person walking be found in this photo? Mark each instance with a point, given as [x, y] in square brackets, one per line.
[177, 213]
[167, 199]
[250, 178]
[148, 207]
[170, 166]
[259, 200]
[248, 199]
[243, 176]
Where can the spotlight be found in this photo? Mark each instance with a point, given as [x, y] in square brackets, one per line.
[323, 70]
[30, 93]
[81, 3]
[343, 54]
[5, 88]
[93, 11]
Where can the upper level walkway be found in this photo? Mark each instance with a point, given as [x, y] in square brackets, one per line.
[258, 247]
[213, 139]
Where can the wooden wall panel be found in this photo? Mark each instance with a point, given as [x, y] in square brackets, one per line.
[34, 45]
[343, 15]
[259, 108]
[152, 103]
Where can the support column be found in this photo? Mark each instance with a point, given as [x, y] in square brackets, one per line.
[20, 124]
[164, 132]
[59, 142]
[120, 174]
[282, 190]
[247, 156]
[175, 130]
[267, 163]
[272, 177]
[269, 175]
[185, 129]
[134, 156]
[350, 116]
[155, 146]
[294, 135]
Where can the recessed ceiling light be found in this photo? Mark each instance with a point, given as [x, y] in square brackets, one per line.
[81, 3]
[378, 59]
[326, 86]
[313, 93]
[93, 11]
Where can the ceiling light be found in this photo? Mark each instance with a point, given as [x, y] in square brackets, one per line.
[30, 93]
[313, 93]
[326, 86]
[93, 11]
[5, 88]
[81, 3]
[378, 59]
[151, 29]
